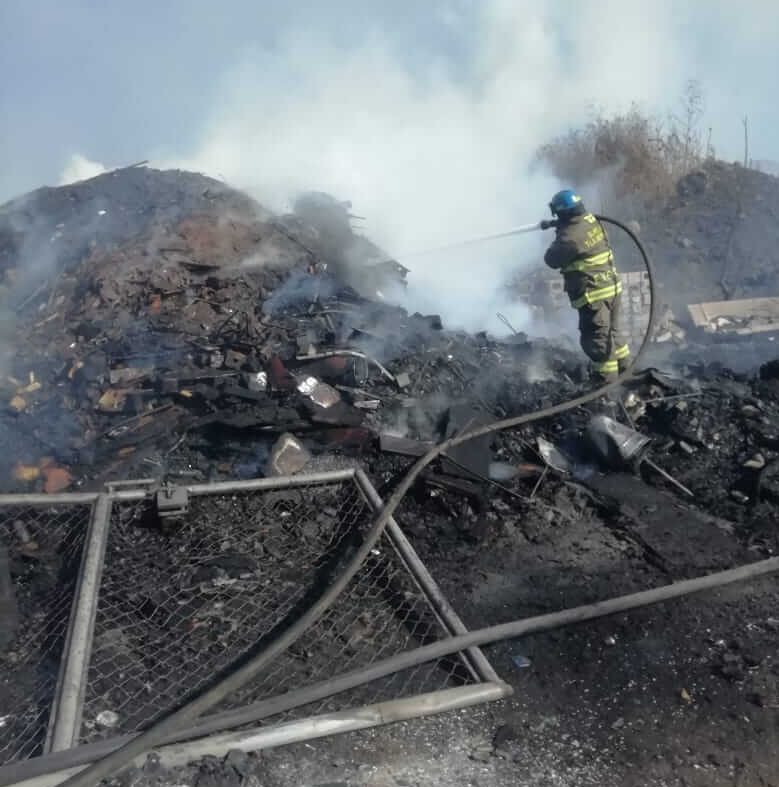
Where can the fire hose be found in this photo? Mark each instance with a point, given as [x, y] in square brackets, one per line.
[170, 727]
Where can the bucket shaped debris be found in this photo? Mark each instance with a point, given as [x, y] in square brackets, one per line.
[616, 445]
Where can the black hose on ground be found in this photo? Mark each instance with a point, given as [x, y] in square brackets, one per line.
[167, 726]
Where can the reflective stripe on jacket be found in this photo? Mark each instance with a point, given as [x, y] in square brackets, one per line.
[582, 253]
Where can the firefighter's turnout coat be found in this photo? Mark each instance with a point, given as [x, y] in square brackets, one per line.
[582, 253]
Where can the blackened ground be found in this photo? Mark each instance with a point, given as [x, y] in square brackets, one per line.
[679, 694]
[683, 694]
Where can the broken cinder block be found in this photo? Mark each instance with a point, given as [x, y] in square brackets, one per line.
[403, 380]
[288, 456]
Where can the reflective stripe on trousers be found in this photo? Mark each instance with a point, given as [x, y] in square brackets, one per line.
[607, 367]
[612, 365]
[601, 294]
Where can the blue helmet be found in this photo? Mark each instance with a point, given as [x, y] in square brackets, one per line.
[566, 203]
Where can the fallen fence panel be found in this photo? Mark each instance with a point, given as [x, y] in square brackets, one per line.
[175, 585]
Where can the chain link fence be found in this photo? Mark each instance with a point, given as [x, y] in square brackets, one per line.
[177, 607]
[130, 602]
[43, 544]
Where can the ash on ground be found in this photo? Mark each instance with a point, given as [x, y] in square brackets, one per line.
[160, 324]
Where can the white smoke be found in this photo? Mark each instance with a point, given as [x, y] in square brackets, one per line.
[433, 149]
[427, 155]
[80, 168]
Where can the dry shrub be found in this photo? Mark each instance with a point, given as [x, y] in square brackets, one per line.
[632, 153]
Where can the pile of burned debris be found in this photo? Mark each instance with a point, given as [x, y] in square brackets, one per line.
[205, 338]
[212, 334]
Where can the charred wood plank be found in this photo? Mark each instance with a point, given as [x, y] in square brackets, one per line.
[403, 445]
[459, 485]
[472, 459]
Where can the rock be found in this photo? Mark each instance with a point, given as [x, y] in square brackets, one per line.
[503, 735]
[731, 667]
[482, 752]
[107, 719]
[214, 773]
[403, 380]
[288, 456]
[239, 761]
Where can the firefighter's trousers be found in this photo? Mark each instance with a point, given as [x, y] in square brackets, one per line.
[602, 339]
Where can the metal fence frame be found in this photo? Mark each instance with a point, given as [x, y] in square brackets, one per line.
[67, 506]
[66, 712]
[68, 700]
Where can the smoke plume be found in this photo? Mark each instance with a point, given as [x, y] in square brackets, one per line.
[426, 116]
[80, 168]
[429, 155]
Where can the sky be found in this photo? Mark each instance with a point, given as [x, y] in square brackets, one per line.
[424, 115]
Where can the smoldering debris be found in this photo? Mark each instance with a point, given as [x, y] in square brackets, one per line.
[157, 351]
[209, 340]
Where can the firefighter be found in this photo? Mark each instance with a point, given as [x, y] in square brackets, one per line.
[582, 253]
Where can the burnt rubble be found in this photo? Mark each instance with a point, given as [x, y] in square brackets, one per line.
[207, 337]
[200, 337]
